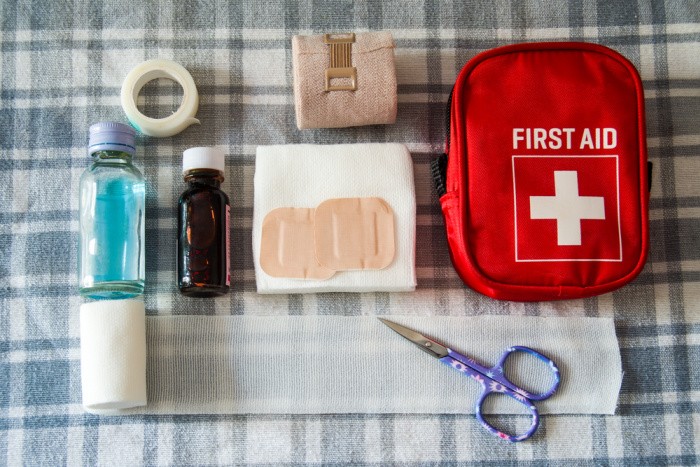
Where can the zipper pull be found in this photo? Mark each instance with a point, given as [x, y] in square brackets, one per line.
[438, 169]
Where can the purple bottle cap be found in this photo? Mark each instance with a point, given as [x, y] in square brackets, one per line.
[112, 136]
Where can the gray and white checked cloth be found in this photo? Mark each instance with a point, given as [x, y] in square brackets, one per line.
[61, 70]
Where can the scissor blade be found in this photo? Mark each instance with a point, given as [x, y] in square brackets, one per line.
[423, 343]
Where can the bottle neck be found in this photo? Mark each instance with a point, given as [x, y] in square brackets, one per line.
[199, 177]
[112, 157]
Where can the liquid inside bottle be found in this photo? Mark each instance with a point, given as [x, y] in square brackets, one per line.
[203, 268]
[112, 223]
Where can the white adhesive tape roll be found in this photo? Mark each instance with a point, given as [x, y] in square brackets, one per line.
[148, 71]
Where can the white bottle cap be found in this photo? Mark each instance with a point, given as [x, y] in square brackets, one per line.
[202, 158]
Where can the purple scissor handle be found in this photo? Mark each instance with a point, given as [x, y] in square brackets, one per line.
[492, 379]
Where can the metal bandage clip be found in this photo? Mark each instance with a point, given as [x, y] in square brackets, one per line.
[340, 61]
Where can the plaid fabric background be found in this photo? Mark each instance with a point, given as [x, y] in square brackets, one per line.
[62, 67]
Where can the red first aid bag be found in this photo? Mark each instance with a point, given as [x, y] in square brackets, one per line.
[544, 182]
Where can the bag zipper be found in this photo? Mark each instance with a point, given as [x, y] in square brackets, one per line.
[438, 166]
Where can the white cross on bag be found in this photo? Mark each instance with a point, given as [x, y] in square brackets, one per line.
[567, 207]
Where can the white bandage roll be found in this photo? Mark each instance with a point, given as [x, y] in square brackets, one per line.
[113, 354]
[148, 71]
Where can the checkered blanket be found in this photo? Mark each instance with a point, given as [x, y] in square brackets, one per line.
[61, 70]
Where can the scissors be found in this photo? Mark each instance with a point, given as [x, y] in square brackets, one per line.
[492, 379]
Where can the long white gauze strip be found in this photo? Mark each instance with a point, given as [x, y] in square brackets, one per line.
[324, 364]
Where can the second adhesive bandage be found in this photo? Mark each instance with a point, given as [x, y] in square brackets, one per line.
[203, 264]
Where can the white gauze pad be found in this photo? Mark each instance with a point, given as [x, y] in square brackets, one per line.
[306, 175]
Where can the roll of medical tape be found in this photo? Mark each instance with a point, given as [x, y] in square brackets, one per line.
[148, 71]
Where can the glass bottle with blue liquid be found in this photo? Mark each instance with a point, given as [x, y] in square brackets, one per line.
[112, 216]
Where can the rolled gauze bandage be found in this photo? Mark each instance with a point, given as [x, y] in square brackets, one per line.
[113, 354]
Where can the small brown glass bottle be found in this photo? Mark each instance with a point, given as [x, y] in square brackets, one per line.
[203, 268]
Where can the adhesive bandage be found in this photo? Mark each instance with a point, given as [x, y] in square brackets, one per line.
[287, 248]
